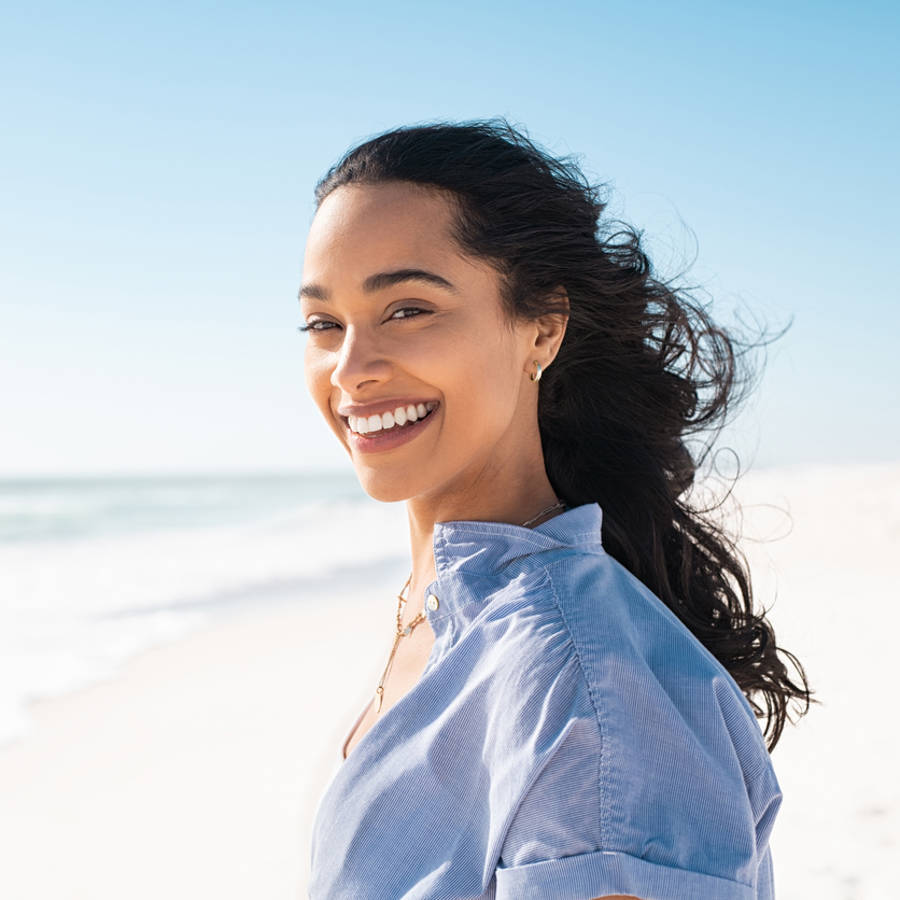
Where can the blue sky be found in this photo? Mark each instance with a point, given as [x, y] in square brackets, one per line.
[158, 165]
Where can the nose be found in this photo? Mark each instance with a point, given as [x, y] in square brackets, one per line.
[358, 362]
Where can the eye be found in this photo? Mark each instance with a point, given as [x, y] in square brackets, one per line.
[405, 312]
[316, 325]
[409, 312]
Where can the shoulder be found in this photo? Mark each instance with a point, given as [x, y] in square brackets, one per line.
[625, 652]
[645, 669]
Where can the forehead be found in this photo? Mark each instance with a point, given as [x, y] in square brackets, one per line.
[359, 228]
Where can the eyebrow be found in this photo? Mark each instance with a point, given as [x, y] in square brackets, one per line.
[382, 280]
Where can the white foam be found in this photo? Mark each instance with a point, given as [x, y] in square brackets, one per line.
[73, 611]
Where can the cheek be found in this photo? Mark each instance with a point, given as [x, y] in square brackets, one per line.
[486, 381]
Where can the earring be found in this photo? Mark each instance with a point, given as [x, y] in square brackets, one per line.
[536, 376]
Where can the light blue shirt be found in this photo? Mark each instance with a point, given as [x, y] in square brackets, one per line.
[569, 738]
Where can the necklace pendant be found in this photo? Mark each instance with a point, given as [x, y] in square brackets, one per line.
[379, 697]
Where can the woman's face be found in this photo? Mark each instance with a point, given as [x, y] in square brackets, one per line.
[401, 323]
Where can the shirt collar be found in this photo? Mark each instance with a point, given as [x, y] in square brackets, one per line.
[465, 552]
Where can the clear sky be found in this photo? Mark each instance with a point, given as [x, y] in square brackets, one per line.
[157, 166]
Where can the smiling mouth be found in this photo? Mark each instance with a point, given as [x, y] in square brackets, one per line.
[393, 420]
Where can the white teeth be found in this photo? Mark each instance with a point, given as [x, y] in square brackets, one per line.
[399, 417]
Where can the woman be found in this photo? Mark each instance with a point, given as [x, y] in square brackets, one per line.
[568, 706]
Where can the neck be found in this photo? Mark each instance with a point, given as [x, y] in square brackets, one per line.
[493, 496]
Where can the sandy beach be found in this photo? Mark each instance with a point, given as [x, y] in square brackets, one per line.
[196, 770]
[194, 773]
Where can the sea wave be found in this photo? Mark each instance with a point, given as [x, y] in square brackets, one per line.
[77, 602]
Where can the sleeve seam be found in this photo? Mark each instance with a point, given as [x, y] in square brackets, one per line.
[602, 766]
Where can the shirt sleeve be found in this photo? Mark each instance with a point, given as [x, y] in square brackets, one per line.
[646, 825]
[663, 788]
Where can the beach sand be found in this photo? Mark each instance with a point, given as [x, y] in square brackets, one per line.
[196, 771]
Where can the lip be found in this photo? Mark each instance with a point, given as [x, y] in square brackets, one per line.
[379, 441]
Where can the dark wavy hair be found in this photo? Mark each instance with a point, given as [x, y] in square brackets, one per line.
[642, 368]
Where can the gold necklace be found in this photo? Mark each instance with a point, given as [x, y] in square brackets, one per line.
[401, 632]
[558, 505]
[419, 618]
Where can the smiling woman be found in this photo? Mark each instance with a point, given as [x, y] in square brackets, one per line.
[569, 705]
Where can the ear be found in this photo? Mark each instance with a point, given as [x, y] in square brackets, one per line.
[548, 331]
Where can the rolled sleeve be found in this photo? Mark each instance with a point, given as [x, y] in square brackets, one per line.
[590, 875]
[554, 844]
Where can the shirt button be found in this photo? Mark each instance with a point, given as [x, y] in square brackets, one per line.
[432, 602]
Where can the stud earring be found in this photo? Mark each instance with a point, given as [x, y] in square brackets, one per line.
[536, 376]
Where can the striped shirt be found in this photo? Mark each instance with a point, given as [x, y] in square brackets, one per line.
[568, 738]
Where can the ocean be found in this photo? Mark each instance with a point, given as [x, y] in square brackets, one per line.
[93, 570]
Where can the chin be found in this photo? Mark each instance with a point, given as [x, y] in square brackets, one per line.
[384, 489]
